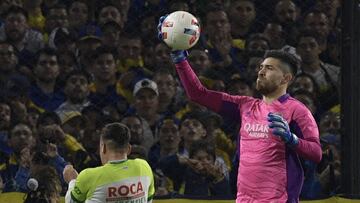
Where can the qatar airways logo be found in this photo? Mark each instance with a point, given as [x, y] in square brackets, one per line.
[257, 130]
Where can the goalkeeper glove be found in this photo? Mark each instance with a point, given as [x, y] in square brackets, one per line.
[177, 56]
[281, 128]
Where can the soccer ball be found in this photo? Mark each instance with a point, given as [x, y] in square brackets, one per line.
[180, 30]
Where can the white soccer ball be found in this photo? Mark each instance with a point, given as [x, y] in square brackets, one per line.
[180, 30]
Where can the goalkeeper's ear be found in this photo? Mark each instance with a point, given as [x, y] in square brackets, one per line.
[287, 78]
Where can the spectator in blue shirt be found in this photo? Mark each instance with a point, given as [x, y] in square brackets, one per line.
[15, 162]
[104, 90]
[44, 93]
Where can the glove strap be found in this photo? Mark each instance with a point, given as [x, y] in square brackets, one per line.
[294, 140]
[179, 56]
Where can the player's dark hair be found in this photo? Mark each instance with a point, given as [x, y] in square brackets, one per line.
[284, 57]
[118, 134]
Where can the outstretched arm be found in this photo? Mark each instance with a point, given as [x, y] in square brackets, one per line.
[195, 91]
[219, 102]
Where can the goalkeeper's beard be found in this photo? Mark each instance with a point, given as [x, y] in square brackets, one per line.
[264, 87]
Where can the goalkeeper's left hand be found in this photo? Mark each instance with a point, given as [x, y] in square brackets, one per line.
[281, 128]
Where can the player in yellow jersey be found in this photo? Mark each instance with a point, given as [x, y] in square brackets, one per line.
[119, 180]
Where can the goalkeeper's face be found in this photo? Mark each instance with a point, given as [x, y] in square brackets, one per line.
[271, 76]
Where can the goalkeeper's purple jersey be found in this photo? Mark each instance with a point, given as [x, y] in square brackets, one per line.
[269, 171]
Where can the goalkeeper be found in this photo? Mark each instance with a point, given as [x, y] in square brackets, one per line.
[275, 130]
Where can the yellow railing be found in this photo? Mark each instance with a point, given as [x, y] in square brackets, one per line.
[15, 197]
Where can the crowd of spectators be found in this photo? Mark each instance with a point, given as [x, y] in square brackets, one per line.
[68, 67]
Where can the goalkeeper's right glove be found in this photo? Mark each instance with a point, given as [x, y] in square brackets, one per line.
[177, 56]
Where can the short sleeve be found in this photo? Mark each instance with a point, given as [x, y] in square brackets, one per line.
[81, 188]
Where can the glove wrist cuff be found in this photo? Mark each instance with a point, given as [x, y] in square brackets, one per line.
[178, 56]
[294, 141]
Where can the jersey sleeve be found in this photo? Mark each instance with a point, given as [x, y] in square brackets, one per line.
[222, 103]
[81, 188]
[307, 130]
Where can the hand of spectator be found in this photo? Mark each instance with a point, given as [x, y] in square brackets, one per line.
[69, 173]
[194, 164]
[25, 157]
[197, 166]
[223, 43]
[183, 160]
[281, 128]
[51, 150]
[213, 171]
[59, 133]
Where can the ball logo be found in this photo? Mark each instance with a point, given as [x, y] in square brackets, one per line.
[189, 31]
[164, 35]
[192, 40]
[195, 22]
[168, 24]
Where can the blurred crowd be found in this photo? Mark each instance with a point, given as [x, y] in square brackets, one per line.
[68, 67]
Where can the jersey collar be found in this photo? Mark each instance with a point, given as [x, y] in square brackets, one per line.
[283, 98]
[117, 161]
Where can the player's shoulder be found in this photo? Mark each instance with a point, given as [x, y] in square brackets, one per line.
[292, 103]
[139, 161]
[91, 171]
[297, 107]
